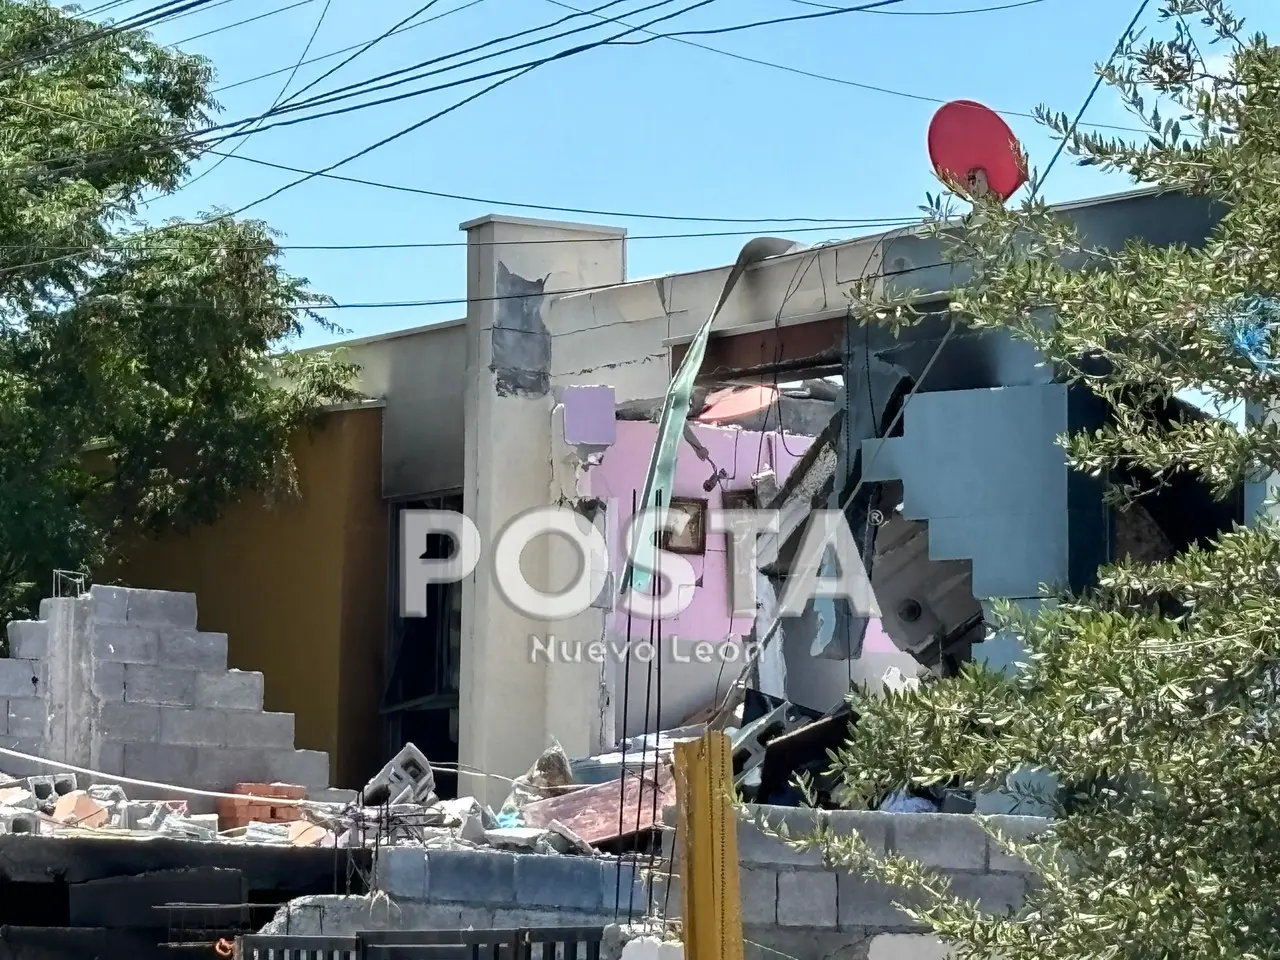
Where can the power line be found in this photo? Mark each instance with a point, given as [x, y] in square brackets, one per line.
[1093, 92]
[360, 52]
[873, 88]
[492, 202]
[241, 23]
[461, 301]
[514, 71]
[510, 70]
[342, 50]
[421, 123]
[276, 102]
[368, 86]
[448, 244]
[149, 17]
[931, 13]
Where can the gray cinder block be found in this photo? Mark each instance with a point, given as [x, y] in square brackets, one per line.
[196, 727]
[229, 690]
[401, 872]
[124, 643]
[244, 729]
[28, 639]
[569, 882]
[26, 717]
[1017, 829]
[757, 849]
[220, 768]
[160, 762]
[807, 898]
[108, 681]
[21, 678]
[129, 722]
[471, 876]
[865, 902]
[948, 841]
[760, 896]
[110, 604]
[622, 885]
[148, 684]
[310, 768]
[162, 608]
[994, 893]
[197, 649]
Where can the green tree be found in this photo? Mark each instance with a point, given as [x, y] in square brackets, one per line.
[144, 382]
[1147, 697]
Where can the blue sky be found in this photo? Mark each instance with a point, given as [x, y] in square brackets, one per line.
[661, 128]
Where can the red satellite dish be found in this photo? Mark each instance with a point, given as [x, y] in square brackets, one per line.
[972, 147]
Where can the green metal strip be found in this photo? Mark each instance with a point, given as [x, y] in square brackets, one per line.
[675, 411]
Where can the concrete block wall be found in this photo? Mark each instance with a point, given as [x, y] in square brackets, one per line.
[586, 888]
[130, 686]
[792, 904]
[24, 696]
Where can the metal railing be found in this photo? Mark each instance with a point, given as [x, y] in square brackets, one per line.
[524, 943]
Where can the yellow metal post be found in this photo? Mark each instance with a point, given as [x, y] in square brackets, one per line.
[710, 887]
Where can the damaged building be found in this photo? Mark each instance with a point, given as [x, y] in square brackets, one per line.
[938, 445]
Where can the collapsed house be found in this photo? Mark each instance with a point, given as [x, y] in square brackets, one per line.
[937, 444]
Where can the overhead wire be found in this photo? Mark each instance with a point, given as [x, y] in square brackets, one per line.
[517, 67]
[838, 223]
[440, 113]
[150, 17]
[932, 13]
[366, 86]
[241, 23]
[513, 72]
[324, 12]
[361, 50]
[870, 87]
[339, 52]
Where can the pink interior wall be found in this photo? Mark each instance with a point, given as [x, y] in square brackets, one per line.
[740, 454]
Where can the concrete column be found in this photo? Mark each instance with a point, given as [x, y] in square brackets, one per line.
[512, 263]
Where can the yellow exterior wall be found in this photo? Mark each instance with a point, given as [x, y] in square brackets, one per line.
[300, 589]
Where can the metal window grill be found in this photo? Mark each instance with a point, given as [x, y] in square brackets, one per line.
[540, 943]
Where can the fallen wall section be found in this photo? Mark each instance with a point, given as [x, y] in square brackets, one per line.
[123, 682]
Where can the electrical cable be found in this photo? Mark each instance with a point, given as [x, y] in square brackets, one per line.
[450, 244]
[372, 84]
[872, 88]
[515, 71]
[435, 116]
[241, 23]
[363, 49]
[640, 28]
[488, 201]
[324, 97]
[932, 13]
[149, 17]
[280, 96]
[1097, 84]
[339, 52]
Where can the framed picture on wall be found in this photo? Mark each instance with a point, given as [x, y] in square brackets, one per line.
[740, 500]
[689, 520]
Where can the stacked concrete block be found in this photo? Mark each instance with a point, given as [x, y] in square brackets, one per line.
[134, 688]
[791, 902]
[24, 696]
[579, 887]
[170, 708]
